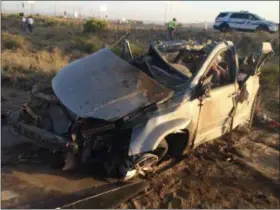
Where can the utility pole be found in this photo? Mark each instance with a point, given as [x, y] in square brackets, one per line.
[22, 5]
[165, 13]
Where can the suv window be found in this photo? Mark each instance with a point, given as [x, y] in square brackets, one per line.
[237, 16]
[253, 17]
[223, 14]
[246, 16]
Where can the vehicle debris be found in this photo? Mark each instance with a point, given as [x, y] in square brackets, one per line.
[130, 114]
[268, 121]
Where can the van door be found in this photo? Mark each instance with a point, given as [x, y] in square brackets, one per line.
[249, 88]
[216, 111]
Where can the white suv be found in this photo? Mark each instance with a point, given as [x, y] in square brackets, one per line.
[243, 21]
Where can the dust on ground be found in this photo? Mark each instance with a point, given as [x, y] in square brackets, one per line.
[239, 170]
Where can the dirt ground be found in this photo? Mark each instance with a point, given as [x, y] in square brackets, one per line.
[239, 170]
[233, 172]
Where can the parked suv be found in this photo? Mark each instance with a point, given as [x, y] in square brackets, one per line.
[243, 21]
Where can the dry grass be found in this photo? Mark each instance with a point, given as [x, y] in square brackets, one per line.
[13, 42]
[21, 65]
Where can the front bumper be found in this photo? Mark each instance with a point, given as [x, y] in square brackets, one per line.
[41, 137]
[273, 29]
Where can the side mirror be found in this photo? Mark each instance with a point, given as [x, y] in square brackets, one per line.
[265, 52]
[265, 48]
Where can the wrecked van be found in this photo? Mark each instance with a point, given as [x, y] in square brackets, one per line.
[129, 113]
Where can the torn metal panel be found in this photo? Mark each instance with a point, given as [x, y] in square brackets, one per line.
[215, 116]
[147, 136]
[243, 110]
[104, 86]
[40, 136]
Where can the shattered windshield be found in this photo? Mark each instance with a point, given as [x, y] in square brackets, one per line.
[174, 63]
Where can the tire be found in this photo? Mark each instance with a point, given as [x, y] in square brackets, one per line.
[262, 29]
[161, 151]
[224, 28]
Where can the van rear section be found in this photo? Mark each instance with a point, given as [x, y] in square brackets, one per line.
[220, 19]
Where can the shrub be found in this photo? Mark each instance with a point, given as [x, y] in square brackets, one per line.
[94, 25]
[50, 22]
[88, 45]
[117, 50]
[179, 25]
[12, 42]
[137, 49]
[21, 63]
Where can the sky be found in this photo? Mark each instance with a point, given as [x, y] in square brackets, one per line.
[157, 11]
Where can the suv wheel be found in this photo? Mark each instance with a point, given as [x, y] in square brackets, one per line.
[145, 164]
[262, 28]
[224, 27]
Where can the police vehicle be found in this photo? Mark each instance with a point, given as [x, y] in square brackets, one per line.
[243, 21]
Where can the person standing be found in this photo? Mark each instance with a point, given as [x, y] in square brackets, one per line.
[171, 29]
[23, 22]
[30, 22]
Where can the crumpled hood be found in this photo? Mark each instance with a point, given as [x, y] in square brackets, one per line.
[104, 86]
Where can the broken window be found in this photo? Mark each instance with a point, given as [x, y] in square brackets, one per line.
[221, 69]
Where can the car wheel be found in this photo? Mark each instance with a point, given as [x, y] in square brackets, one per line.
[145, 164]
[154, 158]
[262, 29]
[161, 151]
[253, 110]
[224, 28]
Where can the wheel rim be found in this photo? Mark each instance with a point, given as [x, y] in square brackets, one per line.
[146, 162]
[161, 152]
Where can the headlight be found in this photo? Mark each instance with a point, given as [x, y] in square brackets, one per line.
[274, 26]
